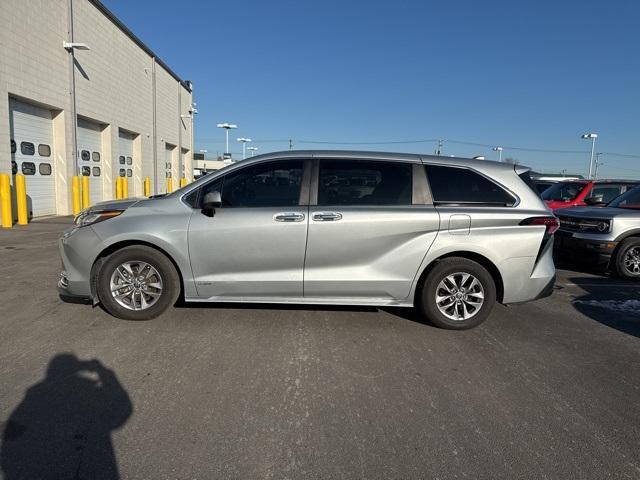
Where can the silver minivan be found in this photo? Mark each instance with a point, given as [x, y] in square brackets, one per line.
[449, 236]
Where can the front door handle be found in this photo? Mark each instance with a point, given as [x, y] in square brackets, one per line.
[327, 216]
[289, 217]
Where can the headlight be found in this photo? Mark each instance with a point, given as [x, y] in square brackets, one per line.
[85, 218]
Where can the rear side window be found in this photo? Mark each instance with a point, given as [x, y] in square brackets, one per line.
[456, 185]
[345, 182]
[605, 193]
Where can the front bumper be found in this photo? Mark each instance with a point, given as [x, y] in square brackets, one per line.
[594, 251]
[78, 249]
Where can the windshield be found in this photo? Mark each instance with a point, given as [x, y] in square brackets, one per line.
[630, 199]
[563, 191]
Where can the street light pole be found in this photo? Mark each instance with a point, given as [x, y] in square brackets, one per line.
[227, 127]
[252, 150]
[244, 144]
[499, 150]
[592, 137]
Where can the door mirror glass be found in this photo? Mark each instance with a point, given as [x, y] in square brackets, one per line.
[210, 202]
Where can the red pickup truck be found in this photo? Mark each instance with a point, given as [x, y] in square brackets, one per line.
[576, 193]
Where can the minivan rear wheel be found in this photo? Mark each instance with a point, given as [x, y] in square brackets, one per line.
[457, 294]
[137, 283]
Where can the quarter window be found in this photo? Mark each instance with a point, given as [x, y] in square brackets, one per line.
[28, 168]
[359, 182]
[85, 155]
[272, 184]
[95, 156]
[44, 169]
[27, 148]
[464, 186]
[96, 171]
[44, 150]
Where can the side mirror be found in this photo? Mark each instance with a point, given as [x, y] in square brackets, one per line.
[210, 202]
[597, 200]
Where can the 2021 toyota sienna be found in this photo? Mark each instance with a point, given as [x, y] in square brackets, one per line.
[450, 236]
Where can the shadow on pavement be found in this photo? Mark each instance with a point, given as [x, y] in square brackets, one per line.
[62, 428]
[615, 307]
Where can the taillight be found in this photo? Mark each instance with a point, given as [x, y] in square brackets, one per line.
[551, 223]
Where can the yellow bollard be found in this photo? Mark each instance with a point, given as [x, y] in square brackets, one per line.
[125, 187]
[119, 188]
[75, 194]
[147, 187]
[21, 199]
[183, 182]
[169, 185]
[5, 201]
[85, 192]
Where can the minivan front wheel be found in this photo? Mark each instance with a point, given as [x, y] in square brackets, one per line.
[457, 294]
[137, 283]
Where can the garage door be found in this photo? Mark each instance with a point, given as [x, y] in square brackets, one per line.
[90, 157]
[31, 130]
[164, 168]
[125, 159]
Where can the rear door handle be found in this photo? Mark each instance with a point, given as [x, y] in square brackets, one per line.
[327, 216]
[288, 217]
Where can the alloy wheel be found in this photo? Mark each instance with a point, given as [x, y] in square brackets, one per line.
[632, 261]
[459, 296]
[136, 285]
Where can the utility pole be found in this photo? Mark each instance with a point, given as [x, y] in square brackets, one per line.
[598, 163]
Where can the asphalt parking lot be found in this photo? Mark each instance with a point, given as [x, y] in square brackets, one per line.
[549, 389]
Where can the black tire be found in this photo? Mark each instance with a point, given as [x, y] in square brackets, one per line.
[625, 247]
[427, 297]
[166, 270]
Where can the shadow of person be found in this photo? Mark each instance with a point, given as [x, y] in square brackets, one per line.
[62, 428]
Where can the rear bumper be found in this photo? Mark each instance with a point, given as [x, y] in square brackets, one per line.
[596, 252]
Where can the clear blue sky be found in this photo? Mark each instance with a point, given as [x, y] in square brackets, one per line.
[532, 74]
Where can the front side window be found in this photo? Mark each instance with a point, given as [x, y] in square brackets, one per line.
[456, 185]
[28, 168]
[44, 169]
[44, 150]
[357, 182]
[563, 191]
[27, 148]
[272, 184]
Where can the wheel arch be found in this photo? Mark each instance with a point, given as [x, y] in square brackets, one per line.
[114, 247]
[476, 257]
